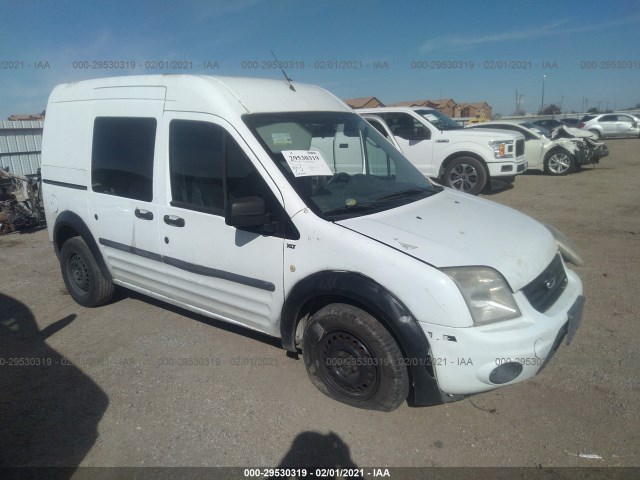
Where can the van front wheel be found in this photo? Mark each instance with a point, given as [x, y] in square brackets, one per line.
[465, 174]
[352, 358]
[82, 275]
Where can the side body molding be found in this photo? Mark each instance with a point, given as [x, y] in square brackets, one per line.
[382, 304]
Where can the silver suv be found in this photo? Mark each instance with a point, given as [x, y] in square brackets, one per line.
[611, 125]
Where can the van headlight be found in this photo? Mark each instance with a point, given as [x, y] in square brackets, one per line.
[502, 148]
[486, 292]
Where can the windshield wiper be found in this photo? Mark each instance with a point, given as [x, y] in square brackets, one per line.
[409, 192]
[346, 210]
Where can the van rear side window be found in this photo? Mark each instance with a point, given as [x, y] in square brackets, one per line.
[122, 157]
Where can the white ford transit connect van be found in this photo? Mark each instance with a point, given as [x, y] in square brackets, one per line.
[273, 206]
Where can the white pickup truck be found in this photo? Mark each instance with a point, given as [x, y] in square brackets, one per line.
[442, 149]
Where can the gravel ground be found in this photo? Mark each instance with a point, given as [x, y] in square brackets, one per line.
[109, 398]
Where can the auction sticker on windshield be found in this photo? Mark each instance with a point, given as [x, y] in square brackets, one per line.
[305, 163]
[281, 138]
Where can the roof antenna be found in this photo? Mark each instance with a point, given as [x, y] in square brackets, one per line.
[286, 77]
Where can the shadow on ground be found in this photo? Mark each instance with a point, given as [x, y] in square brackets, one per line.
[49, 408]
[312, 450]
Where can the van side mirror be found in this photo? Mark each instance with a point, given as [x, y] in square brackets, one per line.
[247, 212]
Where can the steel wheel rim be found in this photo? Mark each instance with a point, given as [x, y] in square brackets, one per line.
[348, 366]
[559, 163]
[78, 274]
[463, 177]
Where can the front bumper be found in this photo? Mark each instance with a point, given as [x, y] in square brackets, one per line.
[477, 359]
[507, 168]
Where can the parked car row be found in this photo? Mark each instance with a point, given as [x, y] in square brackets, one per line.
[556, 152]
[483, 154]
[551, 123]
[605, 125]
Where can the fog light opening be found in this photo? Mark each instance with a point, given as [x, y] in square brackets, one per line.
[505, 373]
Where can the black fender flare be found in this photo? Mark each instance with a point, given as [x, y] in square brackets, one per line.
[383, 305]
[72, 221]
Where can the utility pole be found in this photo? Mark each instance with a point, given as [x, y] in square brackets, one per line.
[518, 102]
[542, 103]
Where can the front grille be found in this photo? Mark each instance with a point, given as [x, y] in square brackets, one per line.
[519, 147]
[547, 287]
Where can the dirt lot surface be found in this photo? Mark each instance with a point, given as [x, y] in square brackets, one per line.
[105, 393]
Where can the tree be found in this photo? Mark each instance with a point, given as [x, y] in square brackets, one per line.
[550, 110]
[593, 110]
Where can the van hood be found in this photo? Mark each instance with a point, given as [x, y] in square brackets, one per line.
[452, 229]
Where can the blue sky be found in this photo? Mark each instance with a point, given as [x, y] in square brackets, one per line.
[40, 40]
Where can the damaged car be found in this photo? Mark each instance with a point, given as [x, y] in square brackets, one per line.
[595, 149]
[554, 156]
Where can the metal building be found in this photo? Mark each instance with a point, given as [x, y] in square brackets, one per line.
[20, 146]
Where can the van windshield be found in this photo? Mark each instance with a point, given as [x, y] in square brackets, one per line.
[439, 120]
[338, 163]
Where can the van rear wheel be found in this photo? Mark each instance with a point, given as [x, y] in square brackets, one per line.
[352, 358]
[82, 275]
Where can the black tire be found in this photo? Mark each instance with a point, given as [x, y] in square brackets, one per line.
[82, 275]
[352, 358]
[465, 174]
[558, 163]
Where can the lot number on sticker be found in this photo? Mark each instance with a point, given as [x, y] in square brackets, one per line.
[305, 163]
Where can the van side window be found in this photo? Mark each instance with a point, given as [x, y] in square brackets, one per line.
[196, 158]
[122, 157]
[197, 154]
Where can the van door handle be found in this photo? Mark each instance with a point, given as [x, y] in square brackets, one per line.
[144, 214]
[173, 220]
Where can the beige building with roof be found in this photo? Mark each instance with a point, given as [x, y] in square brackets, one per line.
[364, 102]
[444, 105]
[448, 106]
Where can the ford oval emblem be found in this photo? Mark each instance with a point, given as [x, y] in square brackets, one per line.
[550, 283]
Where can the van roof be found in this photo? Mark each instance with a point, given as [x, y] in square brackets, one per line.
[204, 93]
